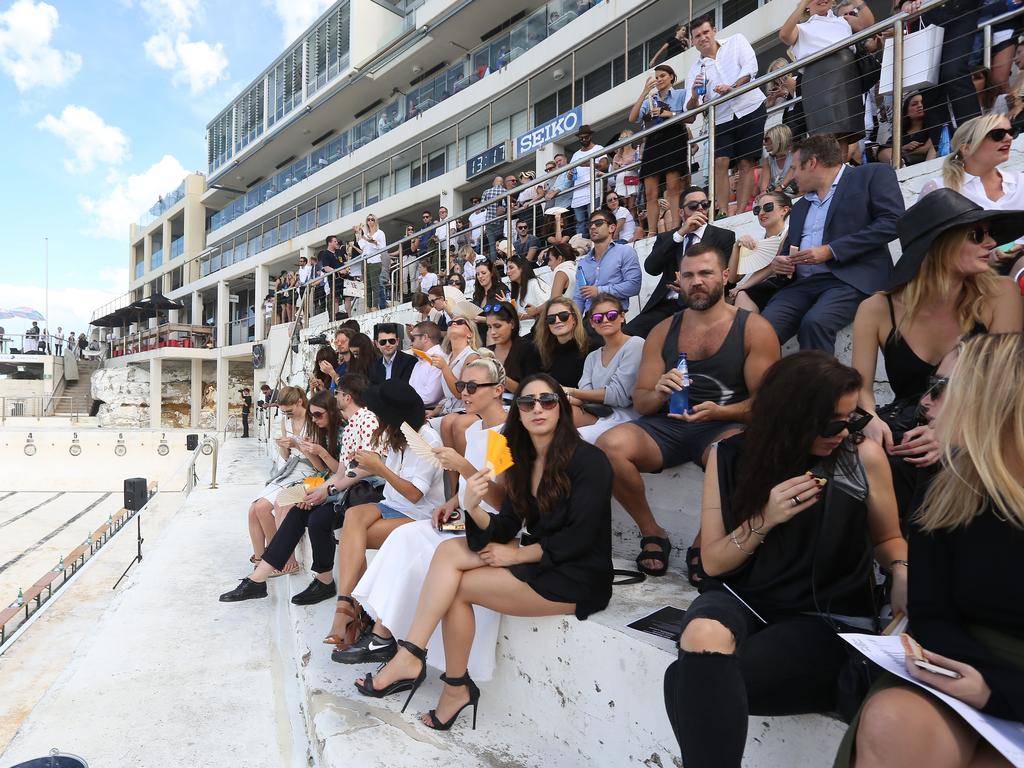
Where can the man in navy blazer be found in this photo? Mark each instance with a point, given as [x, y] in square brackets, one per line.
[393, 362]
[837, 249]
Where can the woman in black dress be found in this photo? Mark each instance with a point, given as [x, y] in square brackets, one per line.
[917, 141]
[967, 546]
[794, 511]
[560, 488]
[561, 343]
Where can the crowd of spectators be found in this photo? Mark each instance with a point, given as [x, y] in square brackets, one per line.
[811, 487]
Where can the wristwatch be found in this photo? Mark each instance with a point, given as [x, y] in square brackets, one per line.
[331, 490]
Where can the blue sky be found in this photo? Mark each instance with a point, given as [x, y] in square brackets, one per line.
[105, 107]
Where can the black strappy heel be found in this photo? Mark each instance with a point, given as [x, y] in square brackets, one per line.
[409, 684]
[474, 699]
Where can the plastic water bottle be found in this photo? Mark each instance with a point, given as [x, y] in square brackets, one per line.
[703, 87]
[21, 597]
[944, 146]
[680, 400]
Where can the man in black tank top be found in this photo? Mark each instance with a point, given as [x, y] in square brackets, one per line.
[728, 351]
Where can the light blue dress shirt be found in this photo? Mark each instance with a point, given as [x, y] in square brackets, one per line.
[618, 273]
[814, 227]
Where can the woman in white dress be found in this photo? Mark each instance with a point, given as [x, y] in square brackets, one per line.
[291, 466]
[980, 146]
[413, 489]
[604, 396]
[390, 588]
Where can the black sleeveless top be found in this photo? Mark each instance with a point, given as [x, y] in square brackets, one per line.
[908, 373]
[718, 378]
[819, 561]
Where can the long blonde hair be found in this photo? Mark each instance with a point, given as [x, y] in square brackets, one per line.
[934, 281]
[981, 432]
[972, 133]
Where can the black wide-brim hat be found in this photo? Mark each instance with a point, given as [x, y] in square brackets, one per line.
[394, 402]
[939, 212]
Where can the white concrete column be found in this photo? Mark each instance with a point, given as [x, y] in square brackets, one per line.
[262, 277]
[197, 308]
[156, 372]
[222, 319]
[167, 240]
[222, 392]
[147, 255]
[196, 394]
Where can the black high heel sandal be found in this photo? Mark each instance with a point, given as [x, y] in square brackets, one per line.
[474, 699]
[408, 684]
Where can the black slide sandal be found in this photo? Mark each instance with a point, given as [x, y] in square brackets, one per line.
[653, 554]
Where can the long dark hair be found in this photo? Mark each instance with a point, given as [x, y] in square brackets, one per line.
[554, 483]
[362, 362]
[329, 354]
[328, 436]
[507, 313]
[526, 274]
[481, 296]
[795, 401]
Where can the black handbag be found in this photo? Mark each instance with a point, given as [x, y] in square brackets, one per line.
[902, 415]
[869, 68]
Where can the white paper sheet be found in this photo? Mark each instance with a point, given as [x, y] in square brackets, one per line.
[887, 652]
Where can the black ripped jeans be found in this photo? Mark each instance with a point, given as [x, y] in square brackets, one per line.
[787, 667]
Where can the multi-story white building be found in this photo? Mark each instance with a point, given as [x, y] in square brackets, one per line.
[391, 108]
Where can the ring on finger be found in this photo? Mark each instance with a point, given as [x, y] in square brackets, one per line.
[796, 500]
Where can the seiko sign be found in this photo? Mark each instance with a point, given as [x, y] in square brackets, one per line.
[566, 123]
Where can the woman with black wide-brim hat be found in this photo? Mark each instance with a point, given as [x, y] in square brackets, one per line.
[944, 290]
[413, 488]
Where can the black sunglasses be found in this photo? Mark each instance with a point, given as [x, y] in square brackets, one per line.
[998, 134]
[558, 317]
[854, 424]
[611, 316]
[389, 342]
[459, 321]
[599, 223]
[317, 414]
[936, 387]
[694, 205]
[767, 208]
[472, 386]
[547, 400]
[977, 234]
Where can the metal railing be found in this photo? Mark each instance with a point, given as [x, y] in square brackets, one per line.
[986, 30]
[208, 446]
[896, 23]
[35, 406]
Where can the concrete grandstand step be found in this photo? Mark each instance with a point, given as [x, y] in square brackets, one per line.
[565, 692]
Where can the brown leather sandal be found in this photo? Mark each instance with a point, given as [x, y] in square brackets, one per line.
[358, 621]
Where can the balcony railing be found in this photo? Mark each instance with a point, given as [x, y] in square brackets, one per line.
[163, 204]
[490, 57]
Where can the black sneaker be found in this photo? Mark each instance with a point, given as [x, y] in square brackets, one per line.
[315, 593]
[369, 648]
[247, 589]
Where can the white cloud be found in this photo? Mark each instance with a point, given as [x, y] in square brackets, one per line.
[195, 63]
[126, 197]
[198, 64]
[296, 15]
[89, 138]
[26, 29]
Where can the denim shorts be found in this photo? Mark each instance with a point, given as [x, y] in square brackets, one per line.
[390, 513]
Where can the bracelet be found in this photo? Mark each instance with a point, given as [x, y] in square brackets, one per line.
[756, 531]
[738, 545]
[904, 563]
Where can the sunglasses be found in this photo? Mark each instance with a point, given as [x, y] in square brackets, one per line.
[978, 234]
[558, 317]
[494, 308]
[317, 414]
[547, 400]
[387, 342]
[459, 321]
[693, 206]
[611, 316]
[471, 386]
[767, 208]
[998, 134]
[453, 282]
[936, 387]
[370, 218]
[598, 223]
[853, 424]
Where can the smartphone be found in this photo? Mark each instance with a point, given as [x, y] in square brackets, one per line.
[937, 669]
[1007, 247]
[456, 523]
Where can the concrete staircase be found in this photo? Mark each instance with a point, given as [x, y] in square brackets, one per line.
[79, 391]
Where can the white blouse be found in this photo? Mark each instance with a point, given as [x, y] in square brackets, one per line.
[425, 476]
[819, 32]
[973, 189]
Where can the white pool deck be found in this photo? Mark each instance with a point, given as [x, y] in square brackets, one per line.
[160, 673]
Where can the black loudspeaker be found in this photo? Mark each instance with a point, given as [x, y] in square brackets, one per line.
[191, 442]
[134, 493]
[259, 357]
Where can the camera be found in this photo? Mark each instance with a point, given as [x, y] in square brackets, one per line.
[318, 340]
